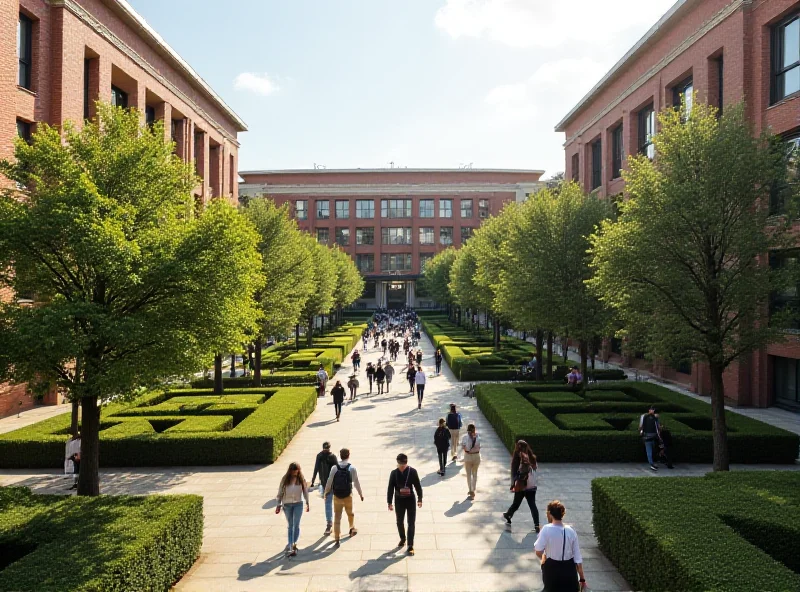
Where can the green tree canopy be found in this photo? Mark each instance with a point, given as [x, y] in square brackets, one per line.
[436, 277]
[322, 269]
[462, 287]
[349, 283]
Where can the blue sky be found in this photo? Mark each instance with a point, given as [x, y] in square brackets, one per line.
[420, 83]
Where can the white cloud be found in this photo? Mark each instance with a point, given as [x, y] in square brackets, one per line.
[546, 23]
[260, 84]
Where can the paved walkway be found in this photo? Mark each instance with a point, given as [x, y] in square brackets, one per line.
[461, 544]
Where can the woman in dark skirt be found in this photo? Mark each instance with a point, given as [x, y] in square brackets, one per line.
[557, 547]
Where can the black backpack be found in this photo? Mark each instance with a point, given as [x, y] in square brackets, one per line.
[453, 421]
[342, 482]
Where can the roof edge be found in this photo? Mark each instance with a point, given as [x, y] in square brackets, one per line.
[394, 170]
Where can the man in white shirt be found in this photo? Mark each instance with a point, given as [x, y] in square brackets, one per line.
[557, 546]
[73, 453]
[342, 488]
[322, 380]
[420, 379]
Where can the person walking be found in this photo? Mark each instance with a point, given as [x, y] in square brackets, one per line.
[666, 444]
[322, 380]
[388, 369]
[352, 384]
[338, 398]
[438, 359]
[403, 481]
[420, 379]
[471, 445]
[523, 482]
[291, 493]
[356, 357]
[410, 375]
[441, 438]
[384, 345]
[72, 459]
[380, 377]
[341, 481]
[454, 424]
[649, 431]
[419, 357]
[557, 546]
[370, 375]
[322, 465]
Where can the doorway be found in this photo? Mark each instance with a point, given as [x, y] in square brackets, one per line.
[396, 294]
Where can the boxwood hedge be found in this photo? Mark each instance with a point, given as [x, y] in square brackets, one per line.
[173, 428]
[736, 531]
[601, 425]
[52, 543]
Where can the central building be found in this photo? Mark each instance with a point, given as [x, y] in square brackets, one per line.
[391, 221]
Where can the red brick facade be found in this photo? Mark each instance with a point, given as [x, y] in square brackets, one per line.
[691, 42]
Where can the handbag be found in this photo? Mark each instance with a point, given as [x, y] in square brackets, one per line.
[69, 467]
[405, 491]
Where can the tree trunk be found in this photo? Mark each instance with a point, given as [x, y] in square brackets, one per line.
[233, 365]
[584, 347]
[218, 374]
[73, 426]
[310, 335]
[718, 424]
[322, 326]
[549, 355]
[89, 477]
[539, 353]
[565, 347]
[257, 363]
[297, 337]
[496, 332]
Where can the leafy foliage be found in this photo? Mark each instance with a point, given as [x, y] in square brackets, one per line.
[437, 276]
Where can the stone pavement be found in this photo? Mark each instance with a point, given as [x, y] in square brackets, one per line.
[460, 544]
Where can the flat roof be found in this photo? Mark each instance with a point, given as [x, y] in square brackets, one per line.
[616, 68]
[391, 170]
[154, 37]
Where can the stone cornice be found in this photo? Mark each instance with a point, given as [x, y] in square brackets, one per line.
[399, 190]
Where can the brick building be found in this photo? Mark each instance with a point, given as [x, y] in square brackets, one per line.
[390, 221]
[723, 51]
[58, 57]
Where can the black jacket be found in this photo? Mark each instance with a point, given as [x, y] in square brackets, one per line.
[380, 374]
[442, 439]
[325, 460]
[338, 394]
[398, 480]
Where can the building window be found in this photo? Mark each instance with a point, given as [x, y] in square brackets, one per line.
[786, 381]
[466, 233]
[365, 262]
[149, 115]
[301, 209]
[446, 235]
[399, 262]
[646, 131]
[342, 209]
[343, 237]
[232, 173]
[323, 234]
[618, 153]
[423, 261]
[466, 208]
[682, 94]
[445, 208]
[119, 98]
[576, 173]
[396, 208]
[365, 208]
[597, 164]
[426, 208]
[24, 130]
[426, 235]
[720, 84]
[483, 208]
[25, 50]
[786, 58]
[365, 236]
[396, 236]
[323, 209]
[790, 297]
[777, 205]
[87, 68]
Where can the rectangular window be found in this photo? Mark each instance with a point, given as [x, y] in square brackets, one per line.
[365, 236]
[445, 208]
[777, 196]
[365, 208]
[87, 68]
[423, 261]
[426, 208]
[720, 84]
[24, 130]
[119, 98]
[396, 236]
[786, 381]
[343, 237]
[396, 262]
[647, 129]
[231, 174]
[426, 235]
[682, 94]
[396, 208]
[323, 209]
[446, 235]
[786, 58]
[618, 153]
[149, 115]
[576, 172]
[323, 235]
[342, 209]
[466, 233]
[483, 208]
[365, 262]
[597, 164]
[301, 209]
[789, 297]
[466, 208]
[25, 50]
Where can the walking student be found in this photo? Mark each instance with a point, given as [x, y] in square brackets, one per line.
[420, 380]
[410, 375]
[557, 547]
[380, 377]
[356, 357]
[648, 429]
[324, 462]
[388, 369]
[441, 438]
[352, 384]
[338, 398]
[72, 459]
[523, 482]
[403, 481]
[370, 375]
[291, 493]
[471, 445]
[340, 482]
[438, 358]
[419, 357]
[322, 380]
[454, 425]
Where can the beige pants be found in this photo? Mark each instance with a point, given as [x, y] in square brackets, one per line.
[471, 462]
[454, 442]
[340, 504]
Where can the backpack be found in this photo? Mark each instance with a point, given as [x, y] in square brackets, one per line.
[342, 482]
[523, 472]
[453, 421]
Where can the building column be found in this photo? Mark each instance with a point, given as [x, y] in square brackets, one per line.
[410, 292]
[378, 293]
[164, 113]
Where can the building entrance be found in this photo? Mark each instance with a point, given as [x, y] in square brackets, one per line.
[395, 294]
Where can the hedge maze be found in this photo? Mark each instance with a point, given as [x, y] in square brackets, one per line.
[602, 424]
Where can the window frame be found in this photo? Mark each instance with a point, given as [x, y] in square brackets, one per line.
[777, 69]
[342, 236]
[423, 259]
[470, 212]
[360, 210]
[443, 201]
[387, 257]
[388, 231]
[298, 210]
[24, 130]
[116, 94]
[390, 212]
[432, 203]
[465, 236]
[646, 117]
[360, 235]
[679, 91]
[483, 208]
[327, 232]
[597, 163]
[442, 232]
[617, 151]
[369, 257]
[424, 231]
[336, 205]
[320, 215]
[576, 167]
[25, 28]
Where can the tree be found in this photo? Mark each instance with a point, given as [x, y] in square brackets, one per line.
[462, 288]
[686, 264]
[436, 277]
[322, 270]
[131, 286]
[349, 283]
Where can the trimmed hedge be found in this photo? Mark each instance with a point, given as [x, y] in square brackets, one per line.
[560, 428]
[736, 531]
[97, 544]
[175, 428]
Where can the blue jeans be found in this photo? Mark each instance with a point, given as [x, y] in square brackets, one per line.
[293, 513]
[649, 446]
[329, 507]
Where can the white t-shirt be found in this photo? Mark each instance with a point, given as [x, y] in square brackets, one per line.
[419, 377]
[554, 538]
[73, 447]
[467, 444]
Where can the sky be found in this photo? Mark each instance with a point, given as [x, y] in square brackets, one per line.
[404, 83]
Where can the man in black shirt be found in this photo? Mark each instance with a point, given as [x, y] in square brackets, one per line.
[322, 467]
[403, 481]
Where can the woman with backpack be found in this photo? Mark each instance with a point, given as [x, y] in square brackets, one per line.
[441, 438]
[370, 375]
[293, 489]
[454, 424]
[338, 398]
[523, 482]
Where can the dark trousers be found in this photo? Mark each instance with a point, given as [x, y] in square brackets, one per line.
[380, 387]
[442, 459]
[403, 505]
[528, 495]
[370, 378]
[420, 392]
[411, 384]
[338, 408]
[438, 366]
